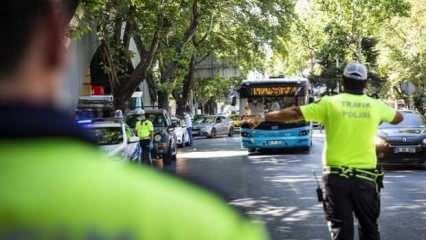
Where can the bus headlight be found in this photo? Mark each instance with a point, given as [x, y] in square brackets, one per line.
[246, 134]
[424, 142]
[157, 138]
[380, 141]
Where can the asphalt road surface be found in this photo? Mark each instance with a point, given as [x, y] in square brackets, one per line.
[279, 189]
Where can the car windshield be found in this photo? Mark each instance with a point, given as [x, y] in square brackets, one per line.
[157, 119]
[204, 120]
[177, 122]
[410, 120]
[107, 135]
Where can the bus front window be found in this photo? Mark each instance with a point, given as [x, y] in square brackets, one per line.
[262, 105]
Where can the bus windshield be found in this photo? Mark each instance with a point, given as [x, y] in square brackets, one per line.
[260, 98]
[261, 105]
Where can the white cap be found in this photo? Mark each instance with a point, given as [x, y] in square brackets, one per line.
[356, 71]
[140, 112]
[118, 114]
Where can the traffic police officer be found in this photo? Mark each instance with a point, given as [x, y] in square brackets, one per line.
[56, 184]
[145, 131]
[352, 181]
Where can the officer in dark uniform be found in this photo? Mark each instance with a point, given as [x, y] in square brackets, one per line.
[55, 183]
[352, 181]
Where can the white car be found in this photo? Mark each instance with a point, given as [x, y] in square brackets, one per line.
[114, 137]
[212, 126]
[181, 132]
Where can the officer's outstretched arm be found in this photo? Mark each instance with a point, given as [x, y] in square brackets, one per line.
[290, 114]
[397, 119]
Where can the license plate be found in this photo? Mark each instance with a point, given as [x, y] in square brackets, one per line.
[275, 142]
[405, 150]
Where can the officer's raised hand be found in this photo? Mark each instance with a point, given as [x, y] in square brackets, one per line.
[252, 121]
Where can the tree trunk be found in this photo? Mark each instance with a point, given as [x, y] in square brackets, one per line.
[70, 7]
[163, 100]
[152, 89]
[188, 84]
[130, 84]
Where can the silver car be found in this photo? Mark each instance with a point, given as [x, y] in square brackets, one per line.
[212, 126]
[115, 138]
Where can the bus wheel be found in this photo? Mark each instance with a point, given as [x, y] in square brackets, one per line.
[306, 149]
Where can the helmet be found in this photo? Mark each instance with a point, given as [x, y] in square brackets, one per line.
[356, 71]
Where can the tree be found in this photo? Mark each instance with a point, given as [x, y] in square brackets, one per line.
[238, 34]
[340, 31]
[403, 53]
[165, 31]
[116, 23]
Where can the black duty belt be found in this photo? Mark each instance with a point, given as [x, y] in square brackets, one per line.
[372, 175]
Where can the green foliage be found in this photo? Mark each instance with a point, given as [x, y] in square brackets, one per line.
[214, 88]
[341, 31]
[235, 31]
[403, 52]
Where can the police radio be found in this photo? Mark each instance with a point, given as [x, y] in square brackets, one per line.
[320, 195]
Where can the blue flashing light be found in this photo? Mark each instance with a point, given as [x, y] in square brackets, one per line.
[85, 121]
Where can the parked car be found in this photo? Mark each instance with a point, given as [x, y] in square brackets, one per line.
[212, 126]
[164, 136]
[404, 143]
[236, 123]
[182, 137]
[114, 137]
[196, 123]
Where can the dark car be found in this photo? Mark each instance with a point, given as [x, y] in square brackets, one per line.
[164, 136]
[404, 143]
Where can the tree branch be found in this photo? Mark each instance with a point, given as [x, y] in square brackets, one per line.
[204, 37]
[192, 28]
[170, 68]
[70, 8]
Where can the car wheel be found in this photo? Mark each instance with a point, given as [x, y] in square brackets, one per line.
[231, 132]
[167, 157]
[182, 144]
[251, 150]
[213, 133]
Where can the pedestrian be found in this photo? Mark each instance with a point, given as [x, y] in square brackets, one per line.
[352, 180]
[55, 183]
[188, 123]
[145, 131]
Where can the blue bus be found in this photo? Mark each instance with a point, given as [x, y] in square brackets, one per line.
[262, 96]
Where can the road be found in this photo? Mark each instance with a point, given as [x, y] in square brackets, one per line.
[278, 189]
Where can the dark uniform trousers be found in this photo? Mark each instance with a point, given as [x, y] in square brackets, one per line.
[146, 151]
[346, 197]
